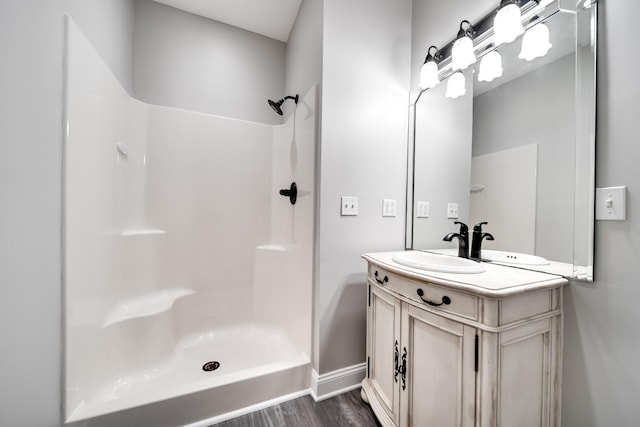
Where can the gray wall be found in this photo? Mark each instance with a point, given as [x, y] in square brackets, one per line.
[193, 63]
[601, 378]
[30, 192]
[109, 26]
[303, 65]
[442, 158]
[363, 154]
[537, 108]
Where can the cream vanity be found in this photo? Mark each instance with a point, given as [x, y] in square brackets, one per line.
[462, 349]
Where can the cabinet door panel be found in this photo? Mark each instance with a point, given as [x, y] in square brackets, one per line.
[440, 370]
[526, 371]
[384, 321]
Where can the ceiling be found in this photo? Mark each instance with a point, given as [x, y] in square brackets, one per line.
[273, 18]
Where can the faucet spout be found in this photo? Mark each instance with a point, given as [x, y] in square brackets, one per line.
[463, 239]
[478, 237]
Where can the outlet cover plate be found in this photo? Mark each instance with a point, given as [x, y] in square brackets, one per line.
[452, 211]
[422, 209]
[388, 207]
[611, 203]
[348, 206]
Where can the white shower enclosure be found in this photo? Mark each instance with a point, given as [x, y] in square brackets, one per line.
[187, 277]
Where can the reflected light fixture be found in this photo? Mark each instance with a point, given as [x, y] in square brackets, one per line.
[535, 42]
[507, 25]
[490, 67]
[429, 71]
[462, 54]
[456, 85]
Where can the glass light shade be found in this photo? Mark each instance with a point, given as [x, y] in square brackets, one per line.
[535, 42]
[462, 54]
[507, 25]
[490, 67]
[429, 75]
[456, 85]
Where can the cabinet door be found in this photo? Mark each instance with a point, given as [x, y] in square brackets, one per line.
[382, 342]
[440, 360]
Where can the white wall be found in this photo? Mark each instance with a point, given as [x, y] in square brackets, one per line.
[30, 195]
[193, 63]
[363, 154]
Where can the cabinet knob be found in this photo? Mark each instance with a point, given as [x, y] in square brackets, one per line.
[445, 299]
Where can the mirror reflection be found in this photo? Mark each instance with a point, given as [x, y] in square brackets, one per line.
[505, 153]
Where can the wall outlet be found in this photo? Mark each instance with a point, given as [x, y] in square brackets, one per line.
[388, 207]
[348, 206]
[422, 209]
[452, 211]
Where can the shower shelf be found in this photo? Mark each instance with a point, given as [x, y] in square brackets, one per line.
[146, 305]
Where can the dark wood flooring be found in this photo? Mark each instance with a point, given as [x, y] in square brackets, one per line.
[347, 409]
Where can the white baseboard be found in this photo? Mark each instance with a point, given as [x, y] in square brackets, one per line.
[337, 382]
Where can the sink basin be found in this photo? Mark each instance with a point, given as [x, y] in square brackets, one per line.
[513, 258]
[439, 263]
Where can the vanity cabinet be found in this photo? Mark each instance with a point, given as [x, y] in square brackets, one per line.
[476, 350]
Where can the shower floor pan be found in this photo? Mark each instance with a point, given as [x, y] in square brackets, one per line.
[256, 363]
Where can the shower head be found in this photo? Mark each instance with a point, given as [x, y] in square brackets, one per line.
[276, 105]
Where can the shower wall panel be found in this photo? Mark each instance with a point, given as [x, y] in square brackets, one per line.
[209, 184]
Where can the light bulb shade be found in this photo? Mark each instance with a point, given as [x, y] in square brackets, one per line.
[462, 54]
[456, 85]
[507, 25]
[535, 42]
[490, 67]
[429, 75]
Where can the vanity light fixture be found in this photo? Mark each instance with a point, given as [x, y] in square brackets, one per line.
[490, 67]
[456, 85]
[535, 42]
[507, 25]
[429, 71]
[462, 54]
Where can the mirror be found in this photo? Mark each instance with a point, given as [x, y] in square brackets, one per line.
[517, 152]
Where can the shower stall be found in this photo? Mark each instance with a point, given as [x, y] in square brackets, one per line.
[187, 277]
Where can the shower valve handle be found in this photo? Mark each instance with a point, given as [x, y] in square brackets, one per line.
[291, 193]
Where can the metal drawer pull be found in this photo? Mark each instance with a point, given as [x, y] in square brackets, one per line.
[384, 280]
[396, 367]
[445, 299]
[403, 370]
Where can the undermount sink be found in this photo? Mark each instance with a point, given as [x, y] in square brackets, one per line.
[438, 263]
[513, 258]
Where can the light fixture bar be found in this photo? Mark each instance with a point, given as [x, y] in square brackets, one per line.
[484, 34]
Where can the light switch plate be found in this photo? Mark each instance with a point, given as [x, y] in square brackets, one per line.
[348, 206]
[388, 207]
[422, 209]
[452, 211]
[611, 203]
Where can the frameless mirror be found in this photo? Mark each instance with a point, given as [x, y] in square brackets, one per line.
[517, 152]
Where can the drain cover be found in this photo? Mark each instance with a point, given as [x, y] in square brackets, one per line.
[210, 366]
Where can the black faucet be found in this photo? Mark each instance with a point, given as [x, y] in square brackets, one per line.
[463, 239]
[478, 236]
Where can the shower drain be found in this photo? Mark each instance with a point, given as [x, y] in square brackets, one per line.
[210, 366]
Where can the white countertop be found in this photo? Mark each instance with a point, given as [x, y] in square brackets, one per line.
[496, 281]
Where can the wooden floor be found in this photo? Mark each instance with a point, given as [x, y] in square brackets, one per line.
[347, 409]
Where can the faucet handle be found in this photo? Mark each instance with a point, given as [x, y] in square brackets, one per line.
[478, 226]
[463, 226]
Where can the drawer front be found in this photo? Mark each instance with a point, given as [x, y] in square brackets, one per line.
[438, 297]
